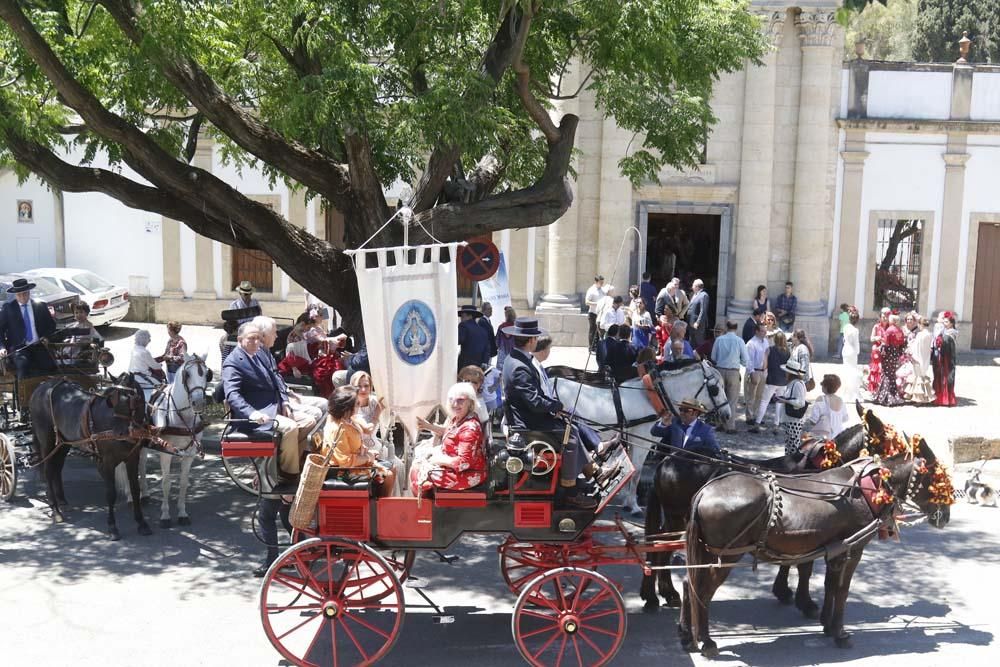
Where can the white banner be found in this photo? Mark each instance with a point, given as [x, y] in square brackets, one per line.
[411, 328]
[496, 290]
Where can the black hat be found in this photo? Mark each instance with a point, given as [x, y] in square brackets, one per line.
[525, 327]
[20, 285]
[469, 310]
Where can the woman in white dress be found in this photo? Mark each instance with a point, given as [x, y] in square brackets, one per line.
[149, 375]
[827, 415]
[852, 347]
[920, 388]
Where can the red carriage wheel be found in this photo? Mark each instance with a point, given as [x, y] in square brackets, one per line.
[329, 601]
[401, 561]
[520, 562]
[569, 616]
[8, 468]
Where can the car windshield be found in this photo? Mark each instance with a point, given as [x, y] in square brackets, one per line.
[92, 282]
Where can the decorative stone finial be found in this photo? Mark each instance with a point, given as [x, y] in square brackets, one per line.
[859, 48]
[963, 47]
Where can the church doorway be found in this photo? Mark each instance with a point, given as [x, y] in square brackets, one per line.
[685, 245]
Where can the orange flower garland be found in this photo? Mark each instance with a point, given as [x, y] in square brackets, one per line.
[884, 495]
[831, 457]
[942, 491]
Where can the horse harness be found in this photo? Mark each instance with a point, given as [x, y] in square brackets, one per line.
[188, 431]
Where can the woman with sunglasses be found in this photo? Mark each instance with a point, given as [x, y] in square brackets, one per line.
[459, 461]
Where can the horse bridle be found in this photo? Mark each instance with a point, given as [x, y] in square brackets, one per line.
[711, 390]
[194, 428]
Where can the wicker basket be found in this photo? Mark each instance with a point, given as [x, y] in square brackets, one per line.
[310, 485]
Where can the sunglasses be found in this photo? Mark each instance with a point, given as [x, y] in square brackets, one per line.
[686, 410]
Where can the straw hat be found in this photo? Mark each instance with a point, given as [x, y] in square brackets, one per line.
[794, 367]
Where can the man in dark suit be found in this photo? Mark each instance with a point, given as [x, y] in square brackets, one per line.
[473, 341]
[688, 432]
[529, 408]
[485, 323]
[24, 321]
[697, 314]
[750, 326]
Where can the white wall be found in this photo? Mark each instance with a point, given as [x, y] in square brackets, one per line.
[985, 96]
[893, 94]
[110, 239]
[903, 172]
[26, 246]
[981, 196]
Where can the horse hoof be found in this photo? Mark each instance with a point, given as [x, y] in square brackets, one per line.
[164, 523]
[809, 609]
[63, 502]
[57, 517]
[183, 521]
[114, 535]
[651, 606]
[144, 529]
[784, 595]
[828, 631]
[843, 642]
[709, 649]
[673, 599]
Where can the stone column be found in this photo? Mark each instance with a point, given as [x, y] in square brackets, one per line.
[951, 226]
[204, 257]
[854, 157]
[753, 216]
[560, 260]
[815, 169]
[815, 174]
[171, 240]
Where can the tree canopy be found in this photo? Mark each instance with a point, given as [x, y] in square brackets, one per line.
[940, 23]
[345, 97]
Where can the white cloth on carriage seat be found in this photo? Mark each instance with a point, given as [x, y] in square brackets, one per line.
[299, 348]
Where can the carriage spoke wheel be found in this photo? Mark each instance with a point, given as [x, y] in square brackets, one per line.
[569, 617]
[520, 562]
[331, 602]
[244, 471]
[8, 468]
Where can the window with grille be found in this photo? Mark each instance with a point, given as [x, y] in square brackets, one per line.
[898, 263]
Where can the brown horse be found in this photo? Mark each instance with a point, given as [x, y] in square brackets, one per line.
[832, 514]
[64, 414]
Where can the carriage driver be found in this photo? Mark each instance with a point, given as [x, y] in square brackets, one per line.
[529, 408]
[24, 321]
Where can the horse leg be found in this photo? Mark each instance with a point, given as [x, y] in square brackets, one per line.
[108, 474]
[842, 585]
[651, 527]
[132, 468]
[664, 582]
[142, 470]
[165, 464]
[684, 624]
[704, 594]
[51, 472]
[780, 588]
[58, 461]
[121, 480]
[803, 601]
[182, 516]
[828, 597]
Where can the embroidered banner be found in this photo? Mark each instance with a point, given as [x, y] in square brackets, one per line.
[411, 326]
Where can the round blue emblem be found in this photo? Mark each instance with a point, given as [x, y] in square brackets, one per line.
[414, 332]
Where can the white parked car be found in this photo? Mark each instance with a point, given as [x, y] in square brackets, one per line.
[108, 303]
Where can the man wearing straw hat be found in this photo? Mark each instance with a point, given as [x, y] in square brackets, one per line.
[245, 300]
[529, 408]
[688, 432]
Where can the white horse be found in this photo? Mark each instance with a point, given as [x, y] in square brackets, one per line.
[177, 410]
[634, 413]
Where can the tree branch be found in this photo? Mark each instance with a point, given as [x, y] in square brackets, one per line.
[308, 167]
[522, 85]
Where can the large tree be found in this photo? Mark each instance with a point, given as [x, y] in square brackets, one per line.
[940, 24]
[344, 97]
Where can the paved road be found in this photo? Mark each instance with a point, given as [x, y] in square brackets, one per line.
[185, 597]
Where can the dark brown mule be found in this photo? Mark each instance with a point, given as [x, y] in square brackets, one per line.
[679, 477]
[64, 414]
[833, 514]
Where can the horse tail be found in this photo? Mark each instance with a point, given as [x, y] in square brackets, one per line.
[696, 556]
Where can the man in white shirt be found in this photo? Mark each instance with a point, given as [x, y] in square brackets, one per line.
[756, 375]
[592, 299]
[611, 312]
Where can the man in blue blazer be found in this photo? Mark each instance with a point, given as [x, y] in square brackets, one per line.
[24, 321]
[257, 395]
[473, 340]
[688, 432]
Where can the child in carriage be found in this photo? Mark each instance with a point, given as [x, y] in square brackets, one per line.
[344, 433]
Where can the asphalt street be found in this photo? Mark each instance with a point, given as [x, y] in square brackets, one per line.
[186, 597]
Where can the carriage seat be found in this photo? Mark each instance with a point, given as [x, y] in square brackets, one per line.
[234, 436]
[338, 484]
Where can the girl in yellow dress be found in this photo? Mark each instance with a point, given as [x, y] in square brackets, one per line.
[345, 435]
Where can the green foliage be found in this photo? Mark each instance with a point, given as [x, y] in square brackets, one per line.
[940, 23]
[407, 73]
[886, 29]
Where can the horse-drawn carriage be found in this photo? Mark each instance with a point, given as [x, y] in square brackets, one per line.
[79, 361]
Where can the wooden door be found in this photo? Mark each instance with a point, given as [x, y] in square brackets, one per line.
[986, 296]
[255, 266]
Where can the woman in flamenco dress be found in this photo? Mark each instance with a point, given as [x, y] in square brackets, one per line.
[875, 365]
[943, 360]
[893, 346]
